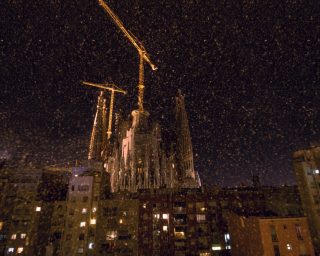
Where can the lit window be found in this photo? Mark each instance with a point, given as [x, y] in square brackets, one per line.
[165, 216]
[203, 209]
[144, 206]
[179, 232]
[216, 247]
[228, 247]
[94, 209]
[157, 216]
[205, 253]
[20, 250]
[13, 236]
[316, 171]
[82, 224]
[1, 225]
[93, 221]
[165, 228]
[289, 247]
[23, 235]
[38, 209]
[227, 238]
[84, 210]
[120, 221]
[201, 217]
[91, 245]
[111, 235]
[11, 249]
[80, 250]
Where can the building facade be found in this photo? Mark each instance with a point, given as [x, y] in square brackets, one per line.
[306, 165]
[84, 195]
[27, 221]
[272, 236]
[75, 214]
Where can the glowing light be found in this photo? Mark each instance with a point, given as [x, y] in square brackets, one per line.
[165, 216]
[111, 235]
[216, 247]
[227, 237]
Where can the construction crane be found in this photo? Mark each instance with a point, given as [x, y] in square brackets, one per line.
[143, 55]
[113, 89]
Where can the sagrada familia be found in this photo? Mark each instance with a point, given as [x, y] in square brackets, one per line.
[136, 159]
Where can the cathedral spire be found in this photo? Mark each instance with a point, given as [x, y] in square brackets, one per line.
[98, 135]
[187, 176]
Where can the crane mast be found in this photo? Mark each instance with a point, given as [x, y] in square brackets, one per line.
[113, 89]
[143, 55]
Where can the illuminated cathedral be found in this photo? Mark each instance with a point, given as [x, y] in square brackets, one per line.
[136, 159]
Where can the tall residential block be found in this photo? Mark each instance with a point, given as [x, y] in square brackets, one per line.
[274, 236]
[306, 165]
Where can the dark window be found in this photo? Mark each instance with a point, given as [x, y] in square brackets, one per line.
[81, 237]
[276, 250]
[57, 235]
[274, 236]
[180, 204]
[83, 187]
[299, 232]
[85, 199]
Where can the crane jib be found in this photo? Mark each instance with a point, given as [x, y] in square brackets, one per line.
[137, 44]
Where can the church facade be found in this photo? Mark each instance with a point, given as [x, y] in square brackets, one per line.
[137, 159]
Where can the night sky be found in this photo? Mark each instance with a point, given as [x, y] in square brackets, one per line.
[249, 70]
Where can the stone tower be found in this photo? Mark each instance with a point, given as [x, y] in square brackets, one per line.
[98, 135]
[186, 175]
